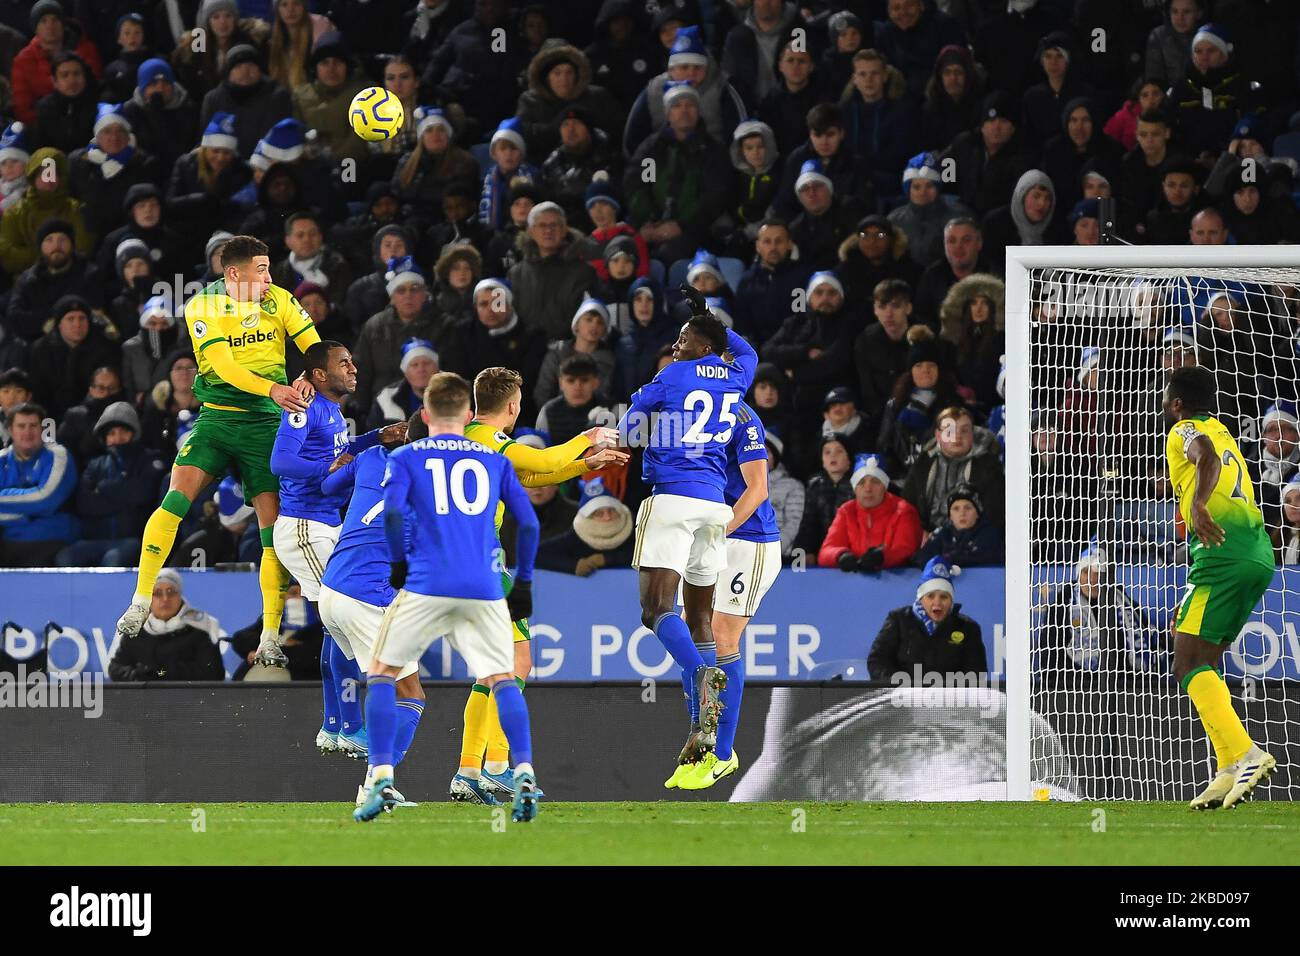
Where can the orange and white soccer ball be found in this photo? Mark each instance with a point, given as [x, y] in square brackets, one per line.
[376, 114]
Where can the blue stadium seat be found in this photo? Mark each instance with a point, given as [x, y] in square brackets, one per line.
[1288, 144]
[480, 151]
[844, 669]
[732, 270]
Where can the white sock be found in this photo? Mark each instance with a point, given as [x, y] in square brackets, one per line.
[379, 771]
[470, 772]
[524, 768]
[496, 766]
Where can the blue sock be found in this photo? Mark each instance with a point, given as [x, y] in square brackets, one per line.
[329, 692]
[734, 668]
[381, 718]
[513, 714]
[409, 712]
[710, 654]
[675, 636]
[347, 684]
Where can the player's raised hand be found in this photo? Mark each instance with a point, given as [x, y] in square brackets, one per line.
[602, 437]
[696, 299]
[1205, 527]
[339, 462]
[606, 456]
[289, 398]
[394, 434]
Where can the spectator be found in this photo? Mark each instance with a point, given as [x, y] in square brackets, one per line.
[402, 399]
[796, 89]
[1005, 43]
[603, 209]
[847, 32]
[827, 144]
[280, 195]
[767, 287]
[457, 272]
[178, 641]
[163, 115]
[827, 490]
[965, 538]
[120, 73]
[1275, 461]
[32, 74]
[353, 236]
[1142, 169]
[911, 38]
[15, 151]
[825, 220]
[460, 225]
[880, 352]
[676, 208]
[36, 482]
[1044, 101]
[330, 322]
[408, 315]
[63, 360]
[1030, 219]
[590, 331]
[77, 431]
[171, 407]
[471, 69]
[601, 536]
[555, 513]
[1212, 95]
[992, 156]
[432, 165]
[310, 260]
[1082, 144]
[257, 103]
[559, 86]
[720, 107]
[786, 495]
[952, 98]
[65, 117]
[550, 280]
[753, 155]
[508, 151]
[963, 255]
[753, 46]
[929, 637]
[1148, 95]
[622, 57]
[1094, 626]
[1169, 221]
[15, 389]
[569, 413]
[621, 265]
[651, 329]
[115, 495]
[878, 251]
[46, 199]
[922, 217]
[704, 275]
[874, 531]
[146, 356]
[960, 454]
[1085, 223]
[369, 294]
[205, 180]
[583, 151]
[879, 123]
[1286, 536]
[972, 319]
[322, 104]
[294, 31]
[920, 393]
[1250, 220]
[59, 272]
[170, 250]
[1169, 46]
[202, 58]
[101, 173]
[815, 347]
[496, 336]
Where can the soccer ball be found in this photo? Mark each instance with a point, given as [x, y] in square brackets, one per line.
[376, 114]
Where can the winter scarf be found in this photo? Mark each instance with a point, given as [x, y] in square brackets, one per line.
[109, 164]
[1085, 647]
[604, 535]
[310, 268]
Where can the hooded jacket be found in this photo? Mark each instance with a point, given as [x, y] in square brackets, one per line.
[892, 525]
[933, 475]
[860, 276]
[913, 51]
[943, 119]
[450, 304]
[1064, 162]
[548, 290]
[118, 489]
[1009, 226]
[754, 188]
[538, 107]
[18, 246]
[639, 344]
[721, 109]
[979, 347]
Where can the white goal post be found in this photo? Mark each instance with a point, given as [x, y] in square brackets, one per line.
[1117, 717]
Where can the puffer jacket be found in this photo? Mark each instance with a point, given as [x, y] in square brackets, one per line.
[979, 348]
[119, 489]
[860, 276]
[547, 291]
[904, 644]
[32, 77]
[892, 525]
[538, 107]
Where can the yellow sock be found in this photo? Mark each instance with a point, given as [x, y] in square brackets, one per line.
[498, 748]
[157, 541]
[476, 727]
[274, 581]
[1214, 703]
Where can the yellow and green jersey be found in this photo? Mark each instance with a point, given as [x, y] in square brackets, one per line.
[1232, 501]
[535, 467]
[257, 334]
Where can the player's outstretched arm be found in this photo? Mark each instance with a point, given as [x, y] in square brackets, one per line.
[231, 372]
[545, 460]
[1201, 453]
[745, 357]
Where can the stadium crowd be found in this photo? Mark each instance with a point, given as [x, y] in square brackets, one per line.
[840, 179]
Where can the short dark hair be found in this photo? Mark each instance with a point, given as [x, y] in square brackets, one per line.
[823, 117]
[24, 408]
[579, 366]
[1182, 165]
[415, 427]
[891, 290]
[297, 218]
[447, 395]
[1154, 116]
[317, 356]
[240, 249]
[710, 328]
[1195, 386]
[15, 376]
[774, 222]
[493, 387]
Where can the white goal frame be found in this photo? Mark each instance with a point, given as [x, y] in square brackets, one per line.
[1021, 260]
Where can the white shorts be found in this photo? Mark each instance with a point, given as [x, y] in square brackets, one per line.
[480, 631]
[687, 535]
[304, 547]
[354, 625]
[751, 570]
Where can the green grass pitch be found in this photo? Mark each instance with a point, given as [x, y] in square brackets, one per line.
[651, 833]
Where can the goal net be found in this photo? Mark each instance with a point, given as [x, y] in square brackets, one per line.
[1097, 556]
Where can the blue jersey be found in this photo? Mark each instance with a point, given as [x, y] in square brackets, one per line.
[749, 443]
[450, 486]
[685, 418]
[359, 567]
[305, 446]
